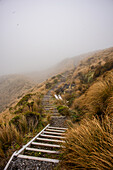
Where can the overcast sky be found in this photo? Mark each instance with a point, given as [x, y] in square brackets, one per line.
[36, 34]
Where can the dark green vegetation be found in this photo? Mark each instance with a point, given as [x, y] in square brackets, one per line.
[24, 100]
[63, 110]
[49, 85]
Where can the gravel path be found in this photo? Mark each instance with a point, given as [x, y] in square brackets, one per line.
[58, 121]
[24, 164]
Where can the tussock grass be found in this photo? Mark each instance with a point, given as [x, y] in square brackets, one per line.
[13, 134]
[99, 97]
[98, 100]
[8, 135]
[89, 146]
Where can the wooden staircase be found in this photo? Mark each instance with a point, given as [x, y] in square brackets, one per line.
[49, 137]
[45, 146]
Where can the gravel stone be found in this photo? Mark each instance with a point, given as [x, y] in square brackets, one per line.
[25, 164]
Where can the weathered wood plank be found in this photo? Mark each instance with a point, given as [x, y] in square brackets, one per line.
[60, 128]
[51, 136]
[54, 133]
[50, 140]
[55, 130]
[42, 150]
[38, 158]
[46, 144]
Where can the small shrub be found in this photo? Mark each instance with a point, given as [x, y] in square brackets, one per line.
[15, 121]
[59, 76]
[55, 81]
[18, 111]
[59, 90]
[76, 115]
[32, 119]
[75, 118]
[24, 100]
[70, 98]
[64, 110]
[48, 85]
[86, 78]
[30, 105]
[29, 113]
[10, 109]
[53, 77]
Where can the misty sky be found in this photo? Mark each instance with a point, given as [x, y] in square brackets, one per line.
[36, 34]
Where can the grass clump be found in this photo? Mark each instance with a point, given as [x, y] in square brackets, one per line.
[32, 119]
[98, 99]
[63, 110]
[86, 78]
[24, 100]
[70, 98]
[48, 85]
[8, 134]
[89, 145]
[18, 111]
[102, 69]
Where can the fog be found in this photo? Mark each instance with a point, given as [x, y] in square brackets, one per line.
[36, 34]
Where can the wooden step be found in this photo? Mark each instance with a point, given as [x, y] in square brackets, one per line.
[50, 140]
[38, 158]
[46, 109]
[42, 150]
[46, 144]
[51, 136]
[60, 128]
[55, 130]
[49, 107]
[54, 133]
[54, 115]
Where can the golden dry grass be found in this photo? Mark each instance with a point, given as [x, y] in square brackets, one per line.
[12, 135]
[98, 99]
[89, 145]
[8, 134]
[98, 96]
[13, 131]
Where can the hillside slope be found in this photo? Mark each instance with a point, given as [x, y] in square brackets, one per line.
[65, 65]
[12, 87]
